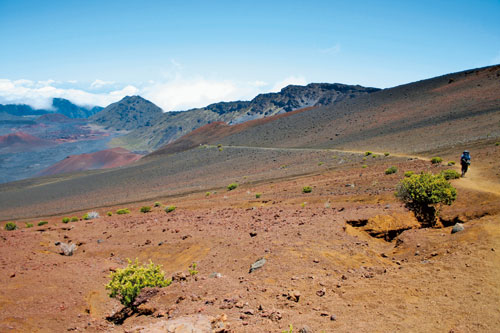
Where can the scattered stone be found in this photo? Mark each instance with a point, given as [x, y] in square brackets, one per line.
[258, 264]
[433, 254]
[215, 275]
[293, 295]
[99, 241]
[253, 234]
[13, 274]
[316, 261]
[275, 316]
[179, 276]
[333, 318]
[457, 228]
[417, 253]
[160, 243]
[57, 243]
[321, 292]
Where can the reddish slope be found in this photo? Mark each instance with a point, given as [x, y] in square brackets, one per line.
[210, 133]
[22, 141]
[104, 159]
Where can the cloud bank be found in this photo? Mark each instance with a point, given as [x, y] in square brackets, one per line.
[174, 94]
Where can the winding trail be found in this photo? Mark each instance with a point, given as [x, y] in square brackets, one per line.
[474, 179]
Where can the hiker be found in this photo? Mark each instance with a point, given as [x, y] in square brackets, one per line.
[465, 161]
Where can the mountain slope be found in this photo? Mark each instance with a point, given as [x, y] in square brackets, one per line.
[130, 113]
[172, 125]
[104, 159]
[20, 141]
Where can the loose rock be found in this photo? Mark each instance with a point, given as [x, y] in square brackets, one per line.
[457, 228]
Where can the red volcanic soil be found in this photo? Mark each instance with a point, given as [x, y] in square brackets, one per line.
[104, 159]
[21, 140]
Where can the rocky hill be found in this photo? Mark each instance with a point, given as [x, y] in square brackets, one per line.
[59, 105]
[130, 113]
[172, 125]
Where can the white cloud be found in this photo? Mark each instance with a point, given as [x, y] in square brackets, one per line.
[335, 49]
[39, 95]
[100, 83]
[295, 80]
[171, 94]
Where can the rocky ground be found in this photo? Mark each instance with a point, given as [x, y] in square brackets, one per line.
[336, 260]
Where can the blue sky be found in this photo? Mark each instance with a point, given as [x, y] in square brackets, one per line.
[183, 54]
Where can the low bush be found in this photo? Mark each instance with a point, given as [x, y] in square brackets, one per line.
[126, 283]
[258, 195]
[42, 223]
[10, 226]
[207, 194]
[450, 174]
[424, 194]
[364, 166]
[497, 143]
[109, 213]
[436, 160]
[232, 186]
[450, 163]
[145, 209]
[320, 163]
[192, 269]
[368, 153]
[169, 209]
[123, 211]
[65, 220]
[74, 219]
[157, 204]
[92, 215]
[86, 217]
[409, 173]
[307, 189]
[391, 170]
[386, 154]
[29, 225]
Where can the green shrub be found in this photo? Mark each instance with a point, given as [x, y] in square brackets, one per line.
[258, 195]
[409, 173]
[10, 226]
[219, 145]
[123, 211]
[74, 219]
[170, 209]
[320, 163]
[126, 283]
[232, 186]
[86, 217]
[289, 330]
[42, 223]
[157, 204]
[436, 160]
[386, 154]
[207, 194]
[109, 213]
[424, 194]
[368, 153]
[145, 209]
[220, 149]
[307, 189]
[364, 166]
[497, 143]
[192, 269]
[374, 155]
[65, 220]
[29, 225]
[450, 163]
[391, 170]
[450, 174]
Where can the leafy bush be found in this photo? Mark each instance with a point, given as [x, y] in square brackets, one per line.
[320, 163]
[74, 219]
[207, 194]
[109, 213]
[450, 163]
[391, 170]
[42, 223]
[170, 209]
[192, 269]
[29, 225]
[126, 283]
[123, 211]
[374, 155]
[424, 193]
[497, 143]
[219, 145]
[10, 226]
[450, 174]
[145, 209]
[436, 160]
[157, 204]
[368, 153]
[258, 195]
[386, 154]
[86, 217]
[65, 220]
[232, 186]
[364, 166]
[307, 189]
[409, 173]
